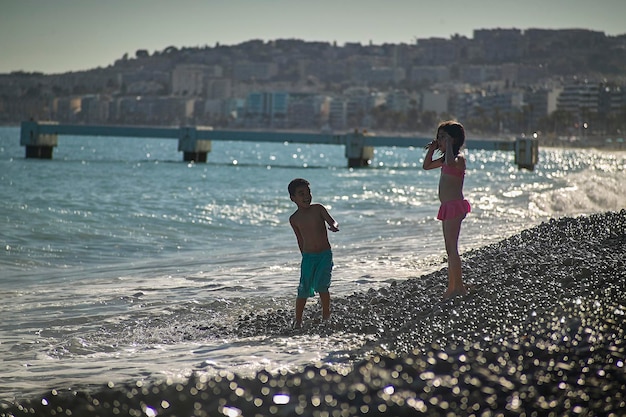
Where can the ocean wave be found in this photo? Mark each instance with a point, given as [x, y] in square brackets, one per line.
[586, 192]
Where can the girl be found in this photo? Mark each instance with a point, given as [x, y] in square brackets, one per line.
[454, 207]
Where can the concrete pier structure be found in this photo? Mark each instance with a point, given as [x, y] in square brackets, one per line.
[195, 143]
[527, 152]
[193, 149]
[358, 153]
[38, 144]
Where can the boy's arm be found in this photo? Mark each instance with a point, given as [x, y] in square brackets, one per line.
[296, 230]
[333, 226]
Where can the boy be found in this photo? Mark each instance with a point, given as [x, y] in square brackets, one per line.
[309, 224]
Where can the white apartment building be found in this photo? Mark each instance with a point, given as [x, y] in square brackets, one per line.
[190, 80]
[338, 114]
[579, 97]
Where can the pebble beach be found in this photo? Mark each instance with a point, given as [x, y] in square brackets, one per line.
[541, 333]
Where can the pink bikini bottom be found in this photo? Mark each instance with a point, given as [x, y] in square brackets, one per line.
[453, 209]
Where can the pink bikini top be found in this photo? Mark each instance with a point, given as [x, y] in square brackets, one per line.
[450, 170]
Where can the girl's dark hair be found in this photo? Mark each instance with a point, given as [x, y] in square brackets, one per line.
[295, 184]
[456, 132]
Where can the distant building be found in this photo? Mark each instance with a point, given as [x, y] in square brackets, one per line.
[145, 81]
[324, 69]
[219, 88]
[307, 110]
[250, 71]
[464, 105]
[478, 74]
[501, 45]
[400, 100]
[359, 101]
[380, 75]
[66, 109]
[437, 50]
[191, 80]
[540, 102]
[338, 114]
[430, 74]
[267, 109]
[580, 97]
[95, 109]
[434, 101]
[507, 101]
[153, 110]
[612, 98]
[234, 109]
[188, 80]
[142, 88]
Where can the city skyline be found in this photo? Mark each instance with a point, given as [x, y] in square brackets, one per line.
[64, 35]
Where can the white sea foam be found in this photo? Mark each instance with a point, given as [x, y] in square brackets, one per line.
[584, 192]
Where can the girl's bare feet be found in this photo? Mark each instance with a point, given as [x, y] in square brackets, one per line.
[453, 292]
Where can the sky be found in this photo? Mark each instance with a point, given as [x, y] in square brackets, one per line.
[56, 36]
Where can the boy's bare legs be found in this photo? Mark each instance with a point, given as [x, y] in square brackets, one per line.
[451, 231]
[325, 299]
[300, 303]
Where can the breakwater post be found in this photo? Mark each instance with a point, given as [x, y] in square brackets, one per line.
[38, 144]
[527, 152]
[358, 154]
[193, 149]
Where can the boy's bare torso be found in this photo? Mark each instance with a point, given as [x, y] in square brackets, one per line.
[309, 225]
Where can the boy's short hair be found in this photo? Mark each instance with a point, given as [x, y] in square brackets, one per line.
[294, 184]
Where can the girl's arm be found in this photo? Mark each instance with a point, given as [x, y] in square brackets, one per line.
[429, 163]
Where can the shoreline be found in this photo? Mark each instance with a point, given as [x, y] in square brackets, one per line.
[541, 332]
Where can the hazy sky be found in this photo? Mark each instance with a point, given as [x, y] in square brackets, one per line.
[53, 36]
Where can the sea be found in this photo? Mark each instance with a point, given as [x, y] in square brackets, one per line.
[117, 258]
